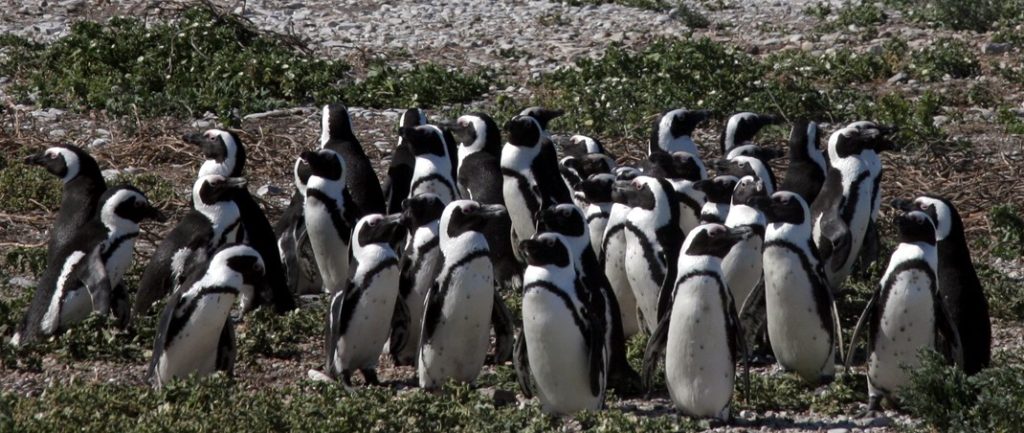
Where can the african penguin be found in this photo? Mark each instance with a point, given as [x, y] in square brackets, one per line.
[400, 169]
[764, 154]
[741, 128]
[359, 319]
[672, 131]
[329, 216]
[293, 241]
[742, 266]
[961, 291]
[683, 170]
[564, 328]
[718, 191]
[459, 304]
[336, 134]
[83, 185]
[542, 115]
[613, 252]
[807, 165]
[581, 145]
[224, 154]
[195, 335]
[740, 166]
[85, 275]
[700, 336]
[433, 167]
[798, 301]
[653, 239]
[596, 192]
[213, 221]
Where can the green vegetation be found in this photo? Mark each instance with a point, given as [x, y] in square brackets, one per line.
[977, 15]
[1008, 230]
[948, 400]
[208, 62]
[269, 335]
[861, 14]
[944, 57]
[26, 188]
[786, 391]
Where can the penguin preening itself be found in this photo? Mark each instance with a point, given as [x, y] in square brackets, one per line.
[700, 337]
[564, 328]
[359, 319]
[958, 283]
[336, 134]
[741, 128]
[195, 335]
[807, 165]
[433, 171]
[845, 209]
[673, 130]
[85, 275]
[225, 155]
[456, 331]
[330, 216]
[419, 266]
[213, 221]
[399, 177]
[799, 305]
[906, 313]
[83, 185]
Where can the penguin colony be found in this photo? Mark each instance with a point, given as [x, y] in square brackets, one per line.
[712, 264]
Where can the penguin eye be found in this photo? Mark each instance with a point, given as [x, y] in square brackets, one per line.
[372, 223]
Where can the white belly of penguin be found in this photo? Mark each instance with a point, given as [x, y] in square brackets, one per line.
[645, 289]
[119, 262]
[858, 228]
[741, 268]
[459, 344]
[194, 349]
[558, 354]
[330, 251]
[518, 212]
[441, 189]
[615, 270]
[699, 370]
[596, 228]
[368, 328]
[798, 339]
[907, 325]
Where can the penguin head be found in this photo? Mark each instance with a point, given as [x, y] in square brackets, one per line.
[804, 138]
[571, 169]
[718, 189]
[376, 229]
[675, 165]
[763, 154]
[214, 188]
[625, 173]
[594, 163]
[65, 161]
[546, 249]
[680, 122]
[741, 128]
[412, 117]
[126, 205]
[944, 216]
[916, 227]
[586, 144]
[425, 141]
[462, 216]
[243, 262]
[544, 116]
[477, 132]
[749, 190]
[223, 151]
[860, 137]
[597, 188]
[301, 175]
[420, 210]
[335, 124]
[524, 131]
[784, 207]
[565, 219]
[325, 163]
[713, 239]
[640, 192]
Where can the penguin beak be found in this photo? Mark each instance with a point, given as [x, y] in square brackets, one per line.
[37, 159]
[492, 211]
[623, 192]
[760, 202]
[530, 248]
[236, 182]
[902, 204]
[737, 234]
[206, 144]
[153, 213]
[724, 166]
[702, 115]
[390, 226]
[546, 115]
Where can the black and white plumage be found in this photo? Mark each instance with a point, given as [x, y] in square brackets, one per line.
[742, 267]
[224, 155]
[359, 318]
[336, 134]
[456, 331]
[741, 128]
[479, 157]
[743, 165]
[961, 291]
[564, 328]
[419, 266]
[613, 250]
[330, 216]
[85, 275]
[718, 192]
[83, 185]
[799, 304]
[701, 336]
[214, 220]
[673, 131]
[195, 335]
[400, 169]
[542, 115]
[596, 192]
[807, 165]
[580, 145]
[293, 241]
[764, 154]
[683, 170]
[433, 171]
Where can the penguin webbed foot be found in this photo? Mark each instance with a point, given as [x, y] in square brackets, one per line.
[873, 409]
[370, 376]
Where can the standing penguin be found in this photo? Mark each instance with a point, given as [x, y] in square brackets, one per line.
[418, 269]
[613, 250]
[741, 128]
[742, 266]
[807, 165]
[719, 197]
[653, 238]
[844, 211]
[479, 154]
[399, 177]
[85, 275]
[433, 170]
[336, 134]
[673, 130]
[214, 220]
[742, 165]
[225, 156]
[596, 192]
[684, 170]
[293, 241]
[958, 282]
[195, 335]
[459, 305]
[564, 327]
[359, 318]
[799, 304]
[700, 337]
[906, 313]
[330, 215]
[83, 185]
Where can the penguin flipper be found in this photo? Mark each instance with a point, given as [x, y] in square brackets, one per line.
[501, 320]
[737, 336]
[596, 335]
[400, 323]
[97, 282]
[521, 362]
[666, 296]
[119, 305]
[226, 349]
[865, 316]
[433, 304]
[654, 352]
[838, 326]
[332, 331]
[949, 344]
[869, 248]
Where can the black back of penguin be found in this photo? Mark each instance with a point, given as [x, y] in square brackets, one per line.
[742, 127]
[528, 132]
[336, 134]
[480, 171]
[807, 165]
[396, 184]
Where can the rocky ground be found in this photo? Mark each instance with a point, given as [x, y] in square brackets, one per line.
[521, 40]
